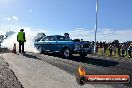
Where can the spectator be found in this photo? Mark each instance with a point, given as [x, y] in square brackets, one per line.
[110, 49]
[127, 46]
[97, 47]
[66, 36]
[100, 44]
[119, 49]
[114, 49]
[123, 49]
[130, 50]
[104, 48]
[81, 40]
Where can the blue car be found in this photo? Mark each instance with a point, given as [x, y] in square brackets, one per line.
[61, 44]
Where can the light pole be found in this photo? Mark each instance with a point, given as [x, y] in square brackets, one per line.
[96, 26]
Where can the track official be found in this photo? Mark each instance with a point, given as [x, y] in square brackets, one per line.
[21, 39]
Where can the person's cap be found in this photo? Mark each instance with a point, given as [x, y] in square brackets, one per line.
[66, 33]
[22, 30]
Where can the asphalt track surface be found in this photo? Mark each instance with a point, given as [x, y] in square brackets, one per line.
[34, 73]
[91, 65]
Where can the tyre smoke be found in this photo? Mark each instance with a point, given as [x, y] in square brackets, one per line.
[29, 44]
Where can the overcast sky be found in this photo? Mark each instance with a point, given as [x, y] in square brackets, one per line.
[74, 16]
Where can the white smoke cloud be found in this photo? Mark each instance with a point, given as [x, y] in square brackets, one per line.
[0, 32]
[80, 33]
[30, 34]
[8, 18]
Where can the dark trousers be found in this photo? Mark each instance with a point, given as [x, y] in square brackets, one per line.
[96, 49]
[21, 45]
[119, 51]
[123, 53]
[105, 50]
[110, 52]
[129, 52]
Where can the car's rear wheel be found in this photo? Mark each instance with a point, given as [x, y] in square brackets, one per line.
[66, 53]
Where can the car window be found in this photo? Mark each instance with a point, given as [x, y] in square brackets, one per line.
[46, 39]
[52, 38]
[42, 39]
[62, 38]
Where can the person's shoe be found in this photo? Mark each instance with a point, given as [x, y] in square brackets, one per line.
[18, 53]
[23, 52]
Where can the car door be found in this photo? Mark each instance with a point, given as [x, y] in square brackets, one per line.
[60, 43]
[46, 43]
[52, 43]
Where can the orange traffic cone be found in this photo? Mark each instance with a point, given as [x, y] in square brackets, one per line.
[14, 48]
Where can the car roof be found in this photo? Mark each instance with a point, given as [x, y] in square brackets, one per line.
[55, 35]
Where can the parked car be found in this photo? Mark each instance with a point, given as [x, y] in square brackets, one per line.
[59, 44]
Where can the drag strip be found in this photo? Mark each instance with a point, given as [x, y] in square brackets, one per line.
[91, 65]
[34, 73]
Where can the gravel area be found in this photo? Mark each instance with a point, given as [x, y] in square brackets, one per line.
[7, 76]
[4, 50]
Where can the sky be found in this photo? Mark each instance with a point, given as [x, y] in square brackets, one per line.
[77, 17]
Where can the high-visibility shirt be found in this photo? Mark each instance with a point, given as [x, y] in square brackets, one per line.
[20, 36]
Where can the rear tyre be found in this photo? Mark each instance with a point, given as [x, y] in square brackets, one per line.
[66, 53]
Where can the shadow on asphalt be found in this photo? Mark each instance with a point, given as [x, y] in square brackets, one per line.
[93, 61]
[30, 56]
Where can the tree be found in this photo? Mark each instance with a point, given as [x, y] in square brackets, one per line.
[9, 33]
[1, 38]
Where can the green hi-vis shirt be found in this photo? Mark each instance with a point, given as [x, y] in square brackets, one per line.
[21, 36]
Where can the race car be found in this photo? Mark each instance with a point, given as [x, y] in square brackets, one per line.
[63, 45]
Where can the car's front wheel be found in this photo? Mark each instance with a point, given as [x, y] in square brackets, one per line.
[66, 53]
[40, 50]
[83, 55]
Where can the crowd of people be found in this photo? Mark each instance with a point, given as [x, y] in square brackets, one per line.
[122, 49]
